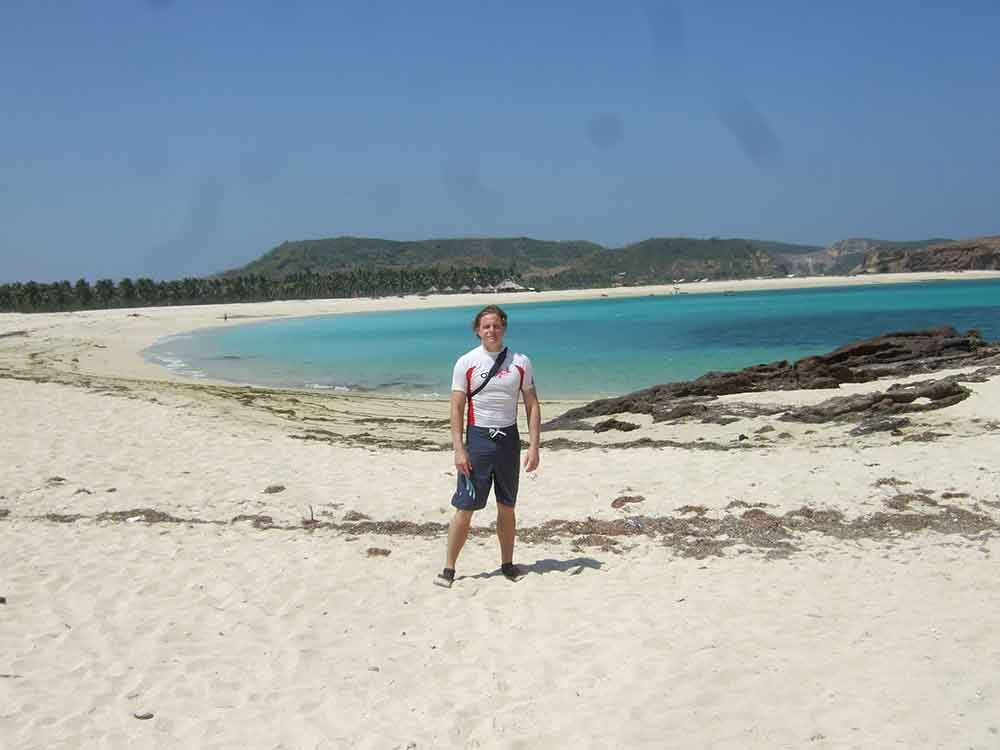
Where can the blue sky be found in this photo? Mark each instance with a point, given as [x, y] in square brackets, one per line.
[175, 137]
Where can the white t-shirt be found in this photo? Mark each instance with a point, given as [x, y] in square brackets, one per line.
[496, 404]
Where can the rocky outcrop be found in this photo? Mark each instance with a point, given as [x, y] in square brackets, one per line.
[982, 254]
[893, 354]
[899, 399]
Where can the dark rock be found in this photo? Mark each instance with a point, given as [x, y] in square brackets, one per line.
[378, 552]
[273, 489]
[719, 419]
[893, 354]
[884, 424]
[898, 399]
[681, 410]
[615, 424]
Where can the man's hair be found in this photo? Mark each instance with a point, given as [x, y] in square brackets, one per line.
[489, 310]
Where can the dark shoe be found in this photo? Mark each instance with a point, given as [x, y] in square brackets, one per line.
[511, 571]
[445, 578]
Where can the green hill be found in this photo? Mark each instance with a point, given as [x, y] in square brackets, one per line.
[666, 259]
[547, 264]
[351, 253]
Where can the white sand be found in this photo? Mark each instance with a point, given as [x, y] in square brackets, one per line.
[240, 637]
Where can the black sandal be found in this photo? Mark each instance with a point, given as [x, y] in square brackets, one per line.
[445, 578]
[511, 571]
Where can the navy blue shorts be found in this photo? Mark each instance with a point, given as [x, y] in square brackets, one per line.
[495, 458]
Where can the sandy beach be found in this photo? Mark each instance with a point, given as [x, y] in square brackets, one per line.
[201, 564]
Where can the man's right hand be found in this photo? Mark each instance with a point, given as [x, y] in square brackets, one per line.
[462, 461]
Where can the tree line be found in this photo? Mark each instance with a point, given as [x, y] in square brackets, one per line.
[62, 296]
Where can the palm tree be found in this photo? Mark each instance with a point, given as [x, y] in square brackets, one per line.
[104, 290]
[126, 292]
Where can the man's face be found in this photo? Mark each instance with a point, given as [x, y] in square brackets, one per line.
[491, 330]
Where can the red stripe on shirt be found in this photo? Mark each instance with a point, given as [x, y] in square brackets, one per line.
[521, 370]
[471, 419]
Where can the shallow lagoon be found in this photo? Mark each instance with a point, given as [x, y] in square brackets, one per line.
[581, 349]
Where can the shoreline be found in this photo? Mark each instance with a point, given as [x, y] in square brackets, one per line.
[109, 343]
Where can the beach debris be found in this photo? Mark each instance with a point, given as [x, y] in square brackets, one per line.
[258, 521]
[9, 334]
[10, 676]
[3, 599]
[378, 552]
[744, 504]
[61, 517]
[927, 436]
[143, 715]
[273, 489]
[149, 515]
[762, 430]
[603, 543]
[742, 437]
[311, 522]
[52, 481]
[698, 510]
[615, 424]
[83, 491]
[4, 512]
[890, 482]
[352, 515]
[111, 489]
[623, 500]
[902, 501]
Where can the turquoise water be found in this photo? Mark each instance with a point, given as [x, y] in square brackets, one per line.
[583, 349]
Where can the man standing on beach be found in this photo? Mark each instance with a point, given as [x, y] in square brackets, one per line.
[486, 384]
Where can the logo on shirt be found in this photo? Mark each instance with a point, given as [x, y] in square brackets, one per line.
[500, 374]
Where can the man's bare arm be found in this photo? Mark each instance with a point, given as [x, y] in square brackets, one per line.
[533, 411]
[457, 429]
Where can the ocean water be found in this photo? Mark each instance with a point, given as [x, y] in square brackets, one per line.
[581, 349]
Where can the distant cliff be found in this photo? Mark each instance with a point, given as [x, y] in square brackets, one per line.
[980, 254]
[847, 256]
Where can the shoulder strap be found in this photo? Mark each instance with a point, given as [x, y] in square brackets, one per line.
[493, 371]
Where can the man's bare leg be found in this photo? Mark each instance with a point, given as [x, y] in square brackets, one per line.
[506, 531]
[458, 532]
